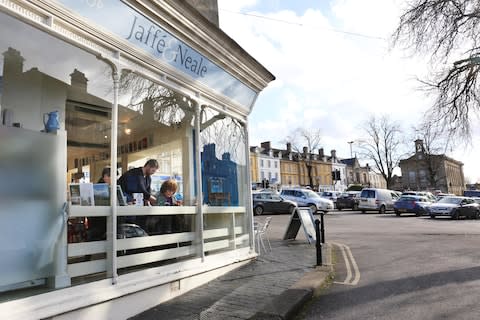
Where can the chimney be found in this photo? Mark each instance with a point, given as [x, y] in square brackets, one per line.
[320, 153]
[266, 145]
[13, 62]
[289, 147]
[334, 154]
[78, 79]
[305, 150]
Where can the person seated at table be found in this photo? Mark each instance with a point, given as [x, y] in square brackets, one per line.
[166, 223]
[166, 195]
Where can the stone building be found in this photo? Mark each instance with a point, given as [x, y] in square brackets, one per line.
[340, 183]
[86, 85]
[424, 171]
[356, 174]
[265, 165]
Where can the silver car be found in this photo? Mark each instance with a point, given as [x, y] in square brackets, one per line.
[308, 198]
[455, 207]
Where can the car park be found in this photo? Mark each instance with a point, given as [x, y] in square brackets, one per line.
[412, 204]
[455, 207]
[308, 198]
[373, 199]
[271, 202]
[348, 200]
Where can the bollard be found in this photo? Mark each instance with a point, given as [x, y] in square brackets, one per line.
[318, 243]
[322, 227]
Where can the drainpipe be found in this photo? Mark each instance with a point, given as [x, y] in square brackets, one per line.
[249, 211]
[113, 171]
[198, 182]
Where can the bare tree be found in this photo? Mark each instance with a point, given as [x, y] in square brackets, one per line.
[164, 105]
[383, 144]
[227, 133]
[304, 143]
[447, 30]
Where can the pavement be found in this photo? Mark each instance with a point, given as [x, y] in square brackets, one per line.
[275, 285]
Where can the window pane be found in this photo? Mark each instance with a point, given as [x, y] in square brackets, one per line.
[224, 175]
[156, 123]
[60, 98]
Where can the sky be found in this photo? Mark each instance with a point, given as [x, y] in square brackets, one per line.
[334, 67]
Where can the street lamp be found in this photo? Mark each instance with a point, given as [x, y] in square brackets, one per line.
[350, 143]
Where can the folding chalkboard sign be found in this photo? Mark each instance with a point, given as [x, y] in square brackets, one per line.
[304, 217]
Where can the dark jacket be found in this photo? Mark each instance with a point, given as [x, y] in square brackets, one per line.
[133, 181]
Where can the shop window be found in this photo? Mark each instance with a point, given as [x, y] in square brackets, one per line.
[55, 101]
[156, 123]
[224, 177]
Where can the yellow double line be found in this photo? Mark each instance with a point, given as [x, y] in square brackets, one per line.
[353, 273]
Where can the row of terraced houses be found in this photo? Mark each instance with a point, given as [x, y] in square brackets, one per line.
[288, 168]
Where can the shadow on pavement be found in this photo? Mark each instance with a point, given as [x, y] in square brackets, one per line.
[380, 290]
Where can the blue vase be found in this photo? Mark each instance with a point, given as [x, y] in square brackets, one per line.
[50, 120]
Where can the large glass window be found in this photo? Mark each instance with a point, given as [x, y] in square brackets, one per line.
[157, 123]
[224, 180]
[156, 126]
[55, 101]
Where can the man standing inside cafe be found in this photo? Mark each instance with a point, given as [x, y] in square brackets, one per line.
[138, 180]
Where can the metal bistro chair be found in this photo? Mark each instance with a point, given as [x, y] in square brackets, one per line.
[260, 234]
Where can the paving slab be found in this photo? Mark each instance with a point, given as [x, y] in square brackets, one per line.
[273, 286]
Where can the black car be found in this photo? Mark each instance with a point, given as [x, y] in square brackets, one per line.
[271, 202]
[348, 200]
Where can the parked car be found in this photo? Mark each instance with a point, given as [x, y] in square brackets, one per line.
[443, 195]
[455, 207]
[308, 198]
[348, 200]
[412, 204]
[379, 200]
[271, 202]
[427, 194]
[331, 195]
[130, 230]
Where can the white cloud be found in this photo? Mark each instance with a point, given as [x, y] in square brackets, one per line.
[325, 79]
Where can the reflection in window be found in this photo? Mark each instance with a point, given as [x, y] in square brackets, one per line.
[48, 85]
[156, 103]
[223, 159]
[157, 123]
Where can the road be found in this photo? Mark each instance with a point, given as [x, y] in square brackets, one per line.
[408, 268]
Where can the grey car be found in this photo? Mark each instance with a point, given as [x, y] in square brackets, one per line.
[455, 207]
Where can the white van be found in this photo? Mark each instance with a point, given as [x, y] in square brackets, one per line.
[374, 199]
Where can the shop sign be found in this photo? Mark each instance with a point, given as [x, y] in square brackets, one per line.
[126, 22]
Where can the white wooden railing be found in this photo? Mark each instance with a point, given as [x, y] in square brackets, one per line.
[224, 229]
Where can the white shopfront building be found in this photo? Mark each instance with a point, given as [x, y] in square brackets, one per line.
[130, 81]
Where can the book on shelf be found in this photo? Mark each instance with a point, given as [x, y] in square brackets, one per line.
[94, 194]
[75, 194]
[101, 194]
[86, 194]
